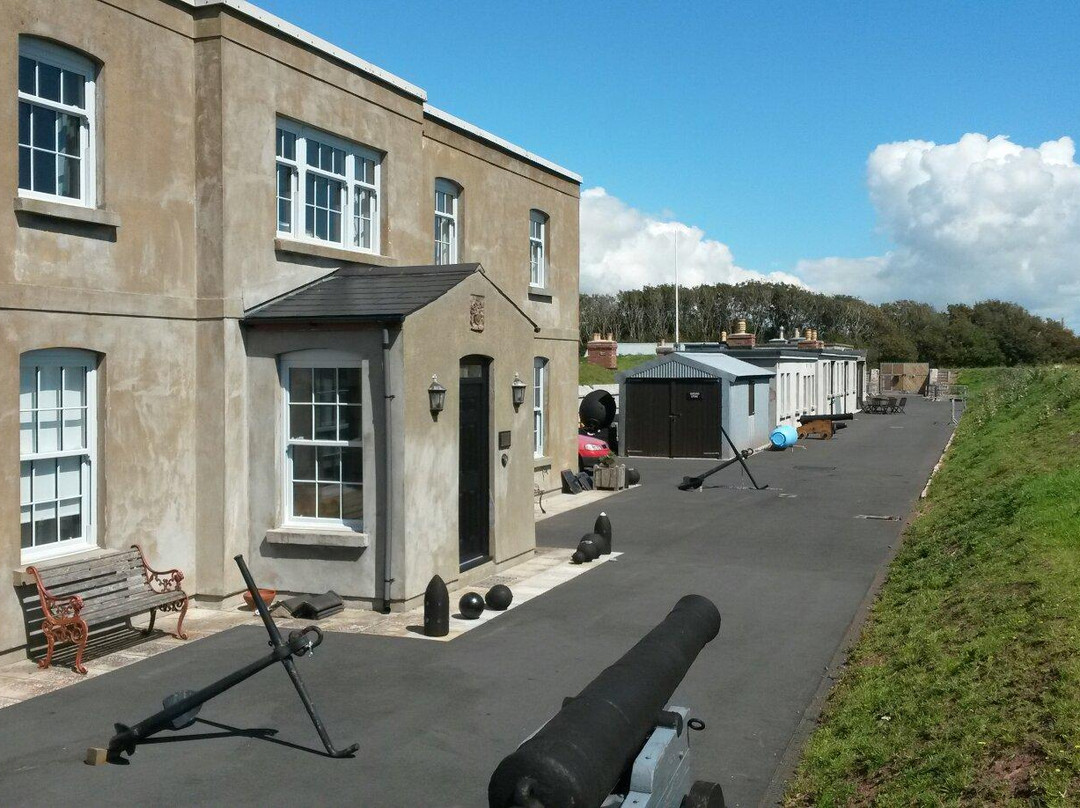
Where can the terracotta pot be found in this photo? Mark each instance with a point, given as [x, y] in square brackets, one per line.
[268, 596]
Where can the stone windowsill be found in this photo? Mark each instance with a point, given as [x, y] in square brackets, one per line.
[540, 294]
[296, 247]
[316, 537]
[541, 463]
[20, 577]
[67, 212]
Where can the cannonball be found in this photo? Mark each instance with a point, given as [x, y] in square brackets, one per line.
[498, 597]
[471, 605]
[633, 476]
[590, 549]
[600, 540]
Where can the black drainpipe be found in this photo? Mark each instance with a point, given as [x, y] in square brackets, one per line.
[388, 404]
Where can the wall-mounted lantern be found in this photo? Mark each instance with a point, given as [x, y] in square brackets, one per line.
[436, 397]
[517, 390]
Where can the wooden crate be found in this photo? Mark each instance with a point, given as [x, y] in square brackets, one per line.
[609, 478]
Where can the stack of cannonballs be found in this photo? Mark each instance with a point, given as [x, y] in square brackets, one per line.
[470, 606]
[595, 544]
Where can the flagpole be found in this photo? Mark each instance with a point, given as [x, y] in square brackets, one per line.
[676, 232]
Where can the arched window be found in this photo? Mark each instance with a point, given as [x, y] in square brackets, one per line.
[57, 130]
[447, 197]
[540, 384]
[57, 442]
[324, 439]
[538, 222]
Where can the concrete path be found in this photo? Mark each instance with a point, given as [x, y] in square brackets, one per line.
[788, 568]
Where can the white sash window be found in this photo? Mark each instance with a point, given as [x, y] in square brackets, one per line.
[57, 425]
[56, 123]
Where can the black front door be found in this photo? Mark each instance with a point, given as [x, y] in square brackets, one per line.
[473, 463]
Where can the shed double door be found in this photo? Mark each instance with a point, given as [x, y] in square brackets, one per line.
[673, 418]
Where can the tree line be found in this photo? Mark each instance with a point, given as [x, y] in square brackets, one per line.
[989, 333]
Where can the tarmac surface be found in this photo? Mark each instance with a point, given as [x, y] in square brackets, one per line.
[789, 568]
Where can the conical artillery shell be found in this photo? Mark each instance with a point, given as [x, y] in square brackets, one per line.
[436, 609]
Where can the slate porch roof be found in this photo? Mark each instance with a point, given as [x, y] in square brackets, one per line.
[377, 294]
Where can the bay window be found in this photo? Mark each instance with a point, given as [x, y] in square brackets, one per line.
[56, 123]
[57, 425]
[323, 442]
[327, 189]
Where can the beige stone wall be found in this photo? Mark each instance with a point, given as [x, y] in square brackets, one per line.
[497, 195]
[145, 430]
[189, 462]
[436, 339]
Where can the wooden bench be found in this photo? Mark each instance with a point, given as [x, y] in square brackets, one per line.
[103, 589]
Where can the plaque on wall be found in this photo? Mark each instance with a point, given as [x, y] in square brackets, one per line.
[476, 313]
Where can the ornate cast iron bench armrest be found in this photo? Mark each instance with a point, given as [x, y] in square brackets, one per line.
[160, 581]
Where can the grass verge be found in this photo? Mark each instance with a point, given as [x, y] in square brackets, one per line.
[594, 374]
[964, 688]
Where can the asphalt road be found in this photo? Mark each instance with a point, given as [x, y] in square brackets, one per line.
[788, 568]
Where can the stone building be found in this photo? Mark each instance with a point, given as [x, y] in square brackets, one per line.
[240, 265]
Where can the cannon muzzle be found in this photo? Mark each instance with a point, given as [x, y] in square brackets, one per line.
[577, 758]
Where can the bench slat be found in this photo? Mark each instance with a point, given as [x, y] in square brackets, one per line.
[107, 586]
[106, 558]
[107, 601]
[131, 607]
[53, 577]
[90, 585]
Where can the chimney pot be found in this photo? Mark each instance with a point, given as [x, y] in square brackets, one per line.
[740, 326]
[723, 336]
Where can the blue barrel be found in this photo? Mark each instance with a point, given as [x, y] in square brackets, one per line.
[783, 436]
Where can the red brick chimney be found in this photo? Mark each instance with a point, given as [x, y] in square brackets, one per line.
[741, 339]
[810, 342]
[602, 352]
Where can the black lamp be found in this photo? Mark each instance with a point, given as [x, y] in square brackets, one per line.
[517, 389]
[436, 396]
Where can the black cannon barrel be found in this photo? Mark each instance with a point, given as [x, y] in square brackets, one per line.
[843, 416]
[577, 758]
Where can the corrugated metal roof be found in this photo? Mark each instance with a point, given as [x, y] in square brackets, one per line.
[364, 293]
[696, 366]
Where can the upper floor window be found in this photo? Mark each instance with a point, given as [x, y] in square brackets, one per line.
[327, 188]
[57, 420]
[446, 221]
[537, 248]
[324, 448]
[56, 123]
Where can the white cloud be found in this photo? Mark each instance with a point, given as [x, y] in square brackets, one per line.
[979, 218]
[623, 248]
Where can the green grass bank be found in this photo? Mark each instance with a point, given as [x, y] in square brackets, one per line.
[964, 688]
[594, 374]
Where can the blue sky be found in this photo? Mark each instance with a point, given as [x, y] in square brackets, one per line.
[750, 121]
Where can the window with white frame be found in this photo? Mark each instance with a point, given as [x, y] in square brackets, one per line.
[327, 188]
[57, 425]
[324, 445]
[540, 371]
[56, 123]
[446, 221]
[538, 248]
